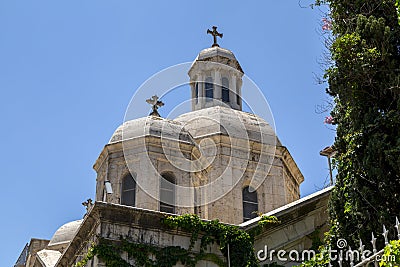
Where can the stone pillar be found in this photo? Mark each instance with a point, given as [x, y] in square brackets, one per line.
[239, 92]
[217, 85]
[193, 89]
[232, 92]
[201, 103]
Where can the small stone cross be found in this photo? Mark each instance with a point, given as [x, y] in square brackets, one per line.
[215, 34]
[88, 204]
[155, 105]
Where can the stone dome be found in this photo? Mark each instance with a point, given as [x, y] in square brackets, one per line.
[151, 126]
[65, 233]
[227, 121]
[218, 55]
[215, 51]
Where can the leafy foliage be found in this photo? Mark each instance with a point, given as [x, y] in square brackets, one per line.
[274, 264]
[364, 82]
[89, 255]
[391, 255]
[320, 259]
[144, 255]
[263, 223]
[239, 241]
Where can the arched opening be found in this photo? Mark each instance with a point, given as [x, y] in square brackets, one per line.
[128, 190]
[237, 96]
[196, 92]
[167, 193]
[209, 89]
[250, 204]
[225, 90]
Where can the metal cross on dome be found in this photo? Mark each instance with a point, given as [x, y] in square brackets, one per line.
[215, 34]
[155, 105]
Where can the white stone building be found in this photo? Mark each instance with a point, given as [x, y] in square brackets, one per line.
[216, 143]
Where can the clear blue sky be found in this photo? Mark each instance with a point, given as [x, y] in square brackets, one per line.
[69, 68]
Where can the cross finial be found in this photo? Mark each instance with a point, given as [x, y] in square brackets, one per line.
[88, 204]
[215, 34]
[155, 105]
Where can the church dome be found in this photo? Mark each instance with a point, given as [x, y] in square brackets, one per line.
[218, 55]
[227, 121]
[65, 233]
[215, 51]
[151, 126]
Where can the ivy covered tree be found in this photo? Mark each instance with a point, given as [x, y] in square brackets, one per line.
[364, 81]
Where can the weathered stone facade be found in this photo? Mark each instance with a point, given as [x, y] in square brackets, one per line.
[241, 146]
[299, 220]
[216, 143]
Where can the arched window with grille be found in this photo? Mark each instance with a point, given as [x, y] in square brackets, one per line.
[209, 88]
[250, 204]
[225, 90]
[128, 190]
[167, 193]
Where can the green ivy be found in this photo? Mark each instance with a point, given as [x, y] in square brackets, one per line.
[264, 222]
[316, 240]
[363, 77]
[89, 255]
[274, 264]
[144, 255]
[320, 259]
[241, 245]
[391, 255]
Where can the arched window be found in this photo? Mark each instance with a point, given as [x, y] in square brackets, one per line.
[128, 190]
[250, 204]
[196, 92]
[209, 88]
[225, 90]
[167, 193]
[237, 95]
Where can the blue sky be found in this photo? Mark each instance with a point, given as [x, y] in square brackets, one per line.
[68, 70]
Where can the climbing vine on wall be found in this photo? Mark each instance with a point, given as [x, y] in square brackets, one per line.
[240, 242]
[363, 79]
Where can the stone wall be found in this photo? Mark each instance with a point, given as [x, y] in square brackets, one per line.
[301, 222]
[233, 167]
[111, 221]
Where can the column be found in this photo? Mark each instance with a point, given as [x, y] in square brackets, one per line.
[193, 88]
[217, 85]
[201, 103]
[239, 92]
[232, 92]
